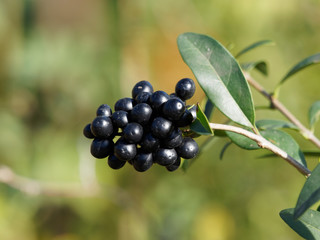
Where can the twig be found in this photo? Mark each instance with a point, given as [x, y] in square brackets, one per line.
[275, 103]
[263, 143]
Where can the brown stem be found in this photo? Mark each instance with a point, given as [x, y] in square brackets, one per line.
[275, 103]
[263, 143]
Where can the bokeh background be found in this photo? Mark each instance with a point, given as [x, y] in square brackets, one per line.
[59, 60]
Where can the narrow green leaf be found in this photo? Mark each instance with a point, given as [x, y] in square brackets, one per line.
[208, 109]
[314, 59]
[307, 226]
[261, 66]
[314, 113]
[274, 124]
[242, 141]
[223, 150]
[219, 75]
[254, 45]
[286, 143]
[201, 124]
[310, 193]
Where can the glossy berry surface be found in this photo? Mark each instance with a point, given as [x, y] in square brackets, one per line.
[133, 132]
[87, 131]
[141, 113]
[125, 151]
[101, 127]
[161, 127]
[143, 97]
[120, 118]
[174, 166]
[125, 104]
[173, 109]
[115, 163]
[185, 88]
[165, 156]
[188, 149]
[101, 148]
[142, 86]
[188, 117]
[158, 98]
[104, 110]
[142, 162]
[149, 143]
[174, 139]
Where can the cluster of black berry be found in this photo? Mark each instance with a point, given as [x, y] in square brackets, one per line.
[148, 128]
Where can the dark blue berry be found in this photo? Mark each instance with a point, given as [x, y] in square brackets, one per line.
[188, 149]
[149, 143]
[133, 132]
[101, 148]
[120, 118]
[143, 97]
[142, 86]
[141, 113]
[102, 127]
[158, 98]
[87, 131]
[174, 139]
[125, 104]
[143, 161]
[115, 163]
[185, 88]
[125, 151]
[173, 109]
[161, 127]
[174, 166]
[165, 156]
[104, 110]
[188, 117]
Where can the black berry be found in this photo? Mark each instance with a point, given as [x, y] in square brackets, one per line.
[149, 143]
[101, 148]
[188, 149]
[143, 97]
[142, 86]
[104, 110]
[161, 127]
[125, 104]
[174, 139]
[143, 161]
[115, 163]
[87, 131]
[120, 118]
[158, 98]
[165, 156]
[188, 117]
[174, 166]
[125, 151]
[173, 109]
[102, 127]
[141, 113]
[133, 132]
[185, 88]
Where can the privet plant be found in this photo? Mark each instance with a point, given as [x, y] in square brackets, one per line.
[226, 85]
[159, 128]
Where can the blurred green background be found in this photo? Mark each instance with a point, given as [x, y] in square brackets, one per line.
[59, 60]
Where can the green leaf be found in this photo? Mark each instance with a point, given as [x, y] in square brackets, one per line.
[310, 193]
[286, 143]
[201, 124]
[219, 75]
[242, 141]
[305, 153]
[208, 108]
[261, 66]
[254, 45]
[314, 59]
[307, 226]
[274, 124]
[223, 150]
[314, 113]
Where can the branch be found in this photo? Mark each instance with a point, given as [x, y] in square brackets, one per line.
[279, 106]
[263, 143]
